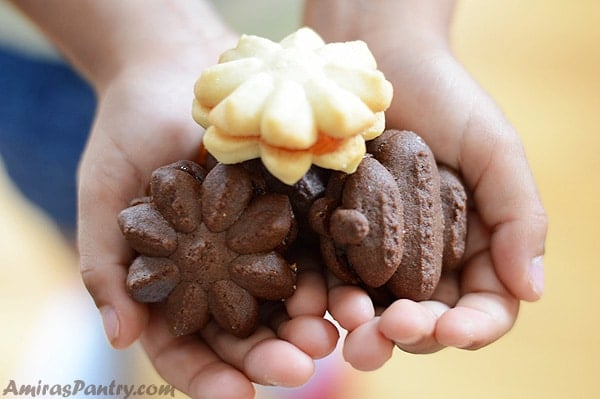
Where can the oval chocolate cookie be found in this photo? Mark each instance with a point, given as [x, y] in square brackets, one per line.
[361, 234]
[454, 204]
[371, 224]
[412, 164]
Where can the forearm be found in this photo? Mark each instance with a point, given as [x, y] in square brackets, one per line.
[101, 38]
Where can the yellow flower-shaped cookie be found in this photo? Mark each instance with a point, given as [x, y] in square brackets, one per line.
[292, 103]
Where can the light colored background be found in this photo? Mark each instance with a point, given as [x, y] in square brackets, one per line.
[540, 59]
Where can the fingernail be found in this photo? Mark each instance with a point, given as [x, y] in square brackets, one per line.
[110, 320]
[536, 275]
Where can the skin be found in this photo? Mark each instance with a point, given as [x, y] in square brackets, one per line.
[143, 79]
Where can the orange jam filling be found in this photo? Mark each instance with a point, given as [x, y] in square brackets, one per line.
[202, 155]
[325, 144]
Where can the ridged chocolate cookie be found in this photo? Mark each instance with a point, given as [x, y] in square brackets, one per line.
[454, 204]
[361, 233]
[414, 168]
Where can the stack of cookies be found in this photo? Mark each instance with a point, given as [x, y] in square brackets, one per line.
[214, 240]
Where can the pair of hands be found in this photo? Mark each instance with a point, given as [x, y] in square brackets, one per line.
[143, 121]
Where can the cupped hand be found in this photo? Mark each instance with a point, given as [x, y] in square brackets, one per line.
[436, 98]
[144, 121]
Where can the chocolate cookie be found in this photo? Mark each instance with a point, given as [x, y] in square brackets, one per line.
[454, 205]
[210, 245]
[412, 164]
[302, 194]
[361, 234]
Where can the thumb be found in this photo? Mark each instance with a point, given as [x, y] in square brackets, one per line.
[507, 199]
[465, 129]
[104, 255]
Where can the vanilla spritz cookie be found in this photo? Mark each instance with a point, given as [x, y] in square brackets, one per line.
[293, 104]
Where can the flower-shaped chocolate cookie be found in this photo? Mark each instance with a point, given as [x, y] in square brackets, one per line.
[209, 245]
[292, 104]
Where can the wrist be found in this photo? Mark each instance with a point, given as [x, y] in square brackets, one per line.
[384, 25]
[185, 49]
[102, 39]
[185, 58]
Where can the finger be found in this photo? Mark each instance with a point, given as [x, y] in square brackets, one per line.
[350, 306]
[479, 240]
[478, 236]
[485, 312]
[448, 289]
[103, 259]
[262, 357]
[310, 297]
[366, 348]
[123, 319]
[191, 366]
[508, 202]
[315, 336]
[517, 248]
[411, 325]
[303, 324]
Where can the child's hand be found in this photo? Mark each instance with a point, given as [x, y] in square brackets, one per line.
[144, 121]
[436, 98]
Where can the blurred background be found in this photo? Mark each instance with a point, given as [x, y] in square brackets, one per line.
[539, 59]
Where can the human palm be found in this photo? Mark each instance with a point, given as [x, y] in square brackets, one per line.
[436, 98]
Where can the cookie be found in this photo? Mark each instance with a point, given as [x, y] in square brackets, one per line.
[152, 279]
[210, 246]
[361, 235]
[186, 308]
[414, 168]
[332, 254]
[293, 104]
[302, 194]
[454, 205]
